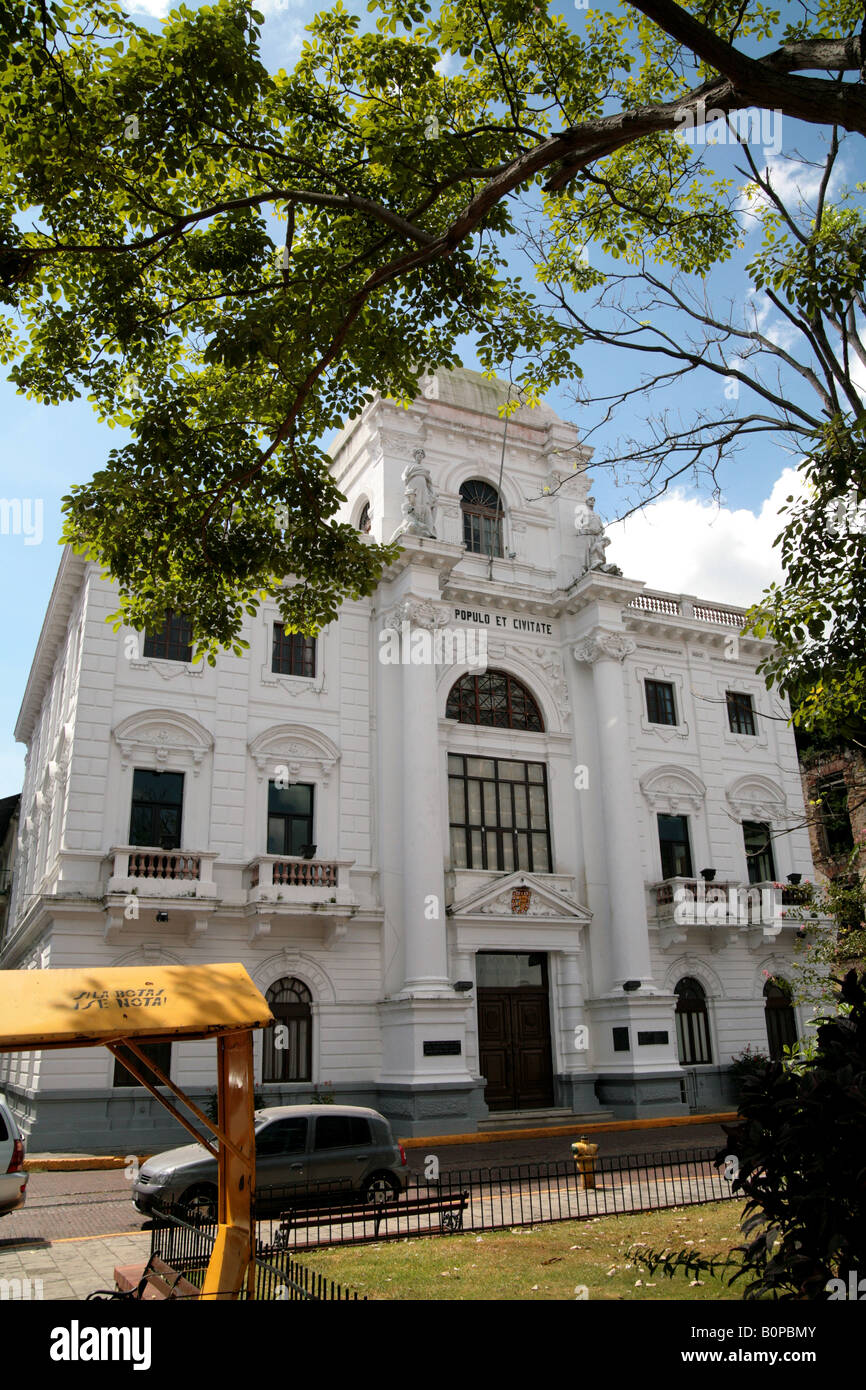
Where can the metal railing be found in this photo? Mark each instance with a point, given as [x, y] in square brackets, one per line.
[490, 1199]
[186, 1246]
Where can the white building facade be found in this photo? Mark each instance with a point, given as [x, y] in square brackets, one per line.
[457, 839]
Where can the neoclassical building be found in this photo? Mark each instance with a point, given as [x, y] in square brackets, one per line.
[457, 839]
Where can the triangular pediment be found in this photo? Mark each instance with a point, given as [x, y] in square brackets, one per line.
[520, 895]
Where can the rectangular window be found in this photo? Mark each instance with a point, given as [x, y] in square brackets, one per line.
[282, 1137]
[741, 716]
[173, 642]
[157, 809]
[498, 812]
[342, 1132]
[159, 1053]
[290, 818]
[759, 852]
[660, 707]
[292, 653]
[835, 820]
[482, 535]
[675, 849]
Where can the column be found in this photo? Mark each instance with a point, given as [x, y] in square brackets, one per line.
[629, 945]
[426, 957]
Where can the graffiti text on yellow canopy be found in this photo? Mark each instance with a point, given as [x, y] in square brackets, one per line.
[62, 1008]
[123, 1008]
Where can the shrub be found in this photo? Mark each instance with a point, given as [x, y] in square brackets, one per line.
[799, 1160]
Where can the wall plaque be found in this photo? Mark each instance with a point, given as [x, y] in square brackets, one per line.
[443, 1047]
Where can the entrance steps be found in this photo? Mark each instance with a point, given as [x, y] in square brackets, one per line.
[539, 1119]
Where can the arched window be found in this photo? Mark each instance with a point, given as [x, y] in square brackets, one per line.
[365, 520]
[779, 1016]
[482, 518]
[693, 1025]
[494, 698]
[287, 1054]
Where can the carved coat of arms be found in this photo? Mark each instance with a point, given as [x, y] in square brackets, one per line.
[520, 899]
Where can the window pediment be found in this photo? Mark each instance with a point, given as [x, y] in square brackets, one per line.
[673, 791]
[757, 798]
[305, 752]
[160, 735]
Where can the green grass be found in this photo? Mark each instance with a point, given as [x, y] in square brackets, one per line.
[541, 1262]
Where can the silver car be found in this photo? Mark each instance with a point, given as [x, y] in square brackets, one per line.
[13, 1179]
[346, 1145]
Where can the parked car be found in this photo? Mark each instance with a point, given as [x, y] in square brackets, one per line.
[296, 1145]
[13, 1179]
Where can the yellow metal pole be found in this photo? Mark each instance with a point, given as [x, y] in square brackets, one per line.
[167, 1081]
[231, 1264]
[141, 1075]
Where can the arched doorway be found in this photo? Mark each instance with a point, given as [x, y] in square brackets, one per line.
[287, 1051]
[694, 1046]
[779, 1017]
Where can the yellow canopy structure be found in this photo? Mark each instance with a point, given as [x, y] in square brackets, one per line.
[122, 1008]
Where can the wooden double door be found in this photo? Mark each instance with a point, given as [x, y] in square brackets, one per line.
[514, 1046]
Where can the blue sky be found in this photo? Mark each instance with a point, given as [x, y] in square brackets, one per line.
[685, 542]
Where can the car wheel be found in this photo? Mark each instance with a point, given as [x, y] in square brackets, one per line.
[201, 1202]
[381, 1187]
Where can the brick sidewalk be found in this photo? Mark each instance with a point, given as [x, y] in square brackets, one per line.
[71, 1269]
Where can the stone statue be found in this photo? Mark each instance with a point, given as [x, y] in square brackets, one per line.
[420, 500]
[592, 527]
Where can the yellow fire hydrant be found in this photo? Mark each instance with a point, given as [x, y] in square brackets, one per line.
[584, 1158]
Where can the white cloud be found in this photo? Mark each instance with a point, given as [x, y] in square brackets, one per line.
[158, 9]
[274, 7]
[690, 545]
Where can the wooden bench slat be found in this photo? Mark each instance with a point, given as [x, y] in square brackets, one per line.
[162, 1282]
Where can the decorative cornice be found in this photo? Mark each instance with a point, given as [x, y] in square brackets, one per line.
[71, 576]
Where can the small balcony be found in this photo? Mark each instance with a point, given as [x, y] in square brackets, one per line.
[150, 872]
[761, 910]
[295, 882]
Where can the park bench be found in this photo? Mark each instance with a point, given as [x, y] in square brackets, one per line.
[450, 1209]
[154, 1280]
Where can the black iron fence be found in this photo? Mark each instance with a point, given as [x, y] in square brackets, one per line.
[301, 1218]
[186, 1245]
[474, 1199]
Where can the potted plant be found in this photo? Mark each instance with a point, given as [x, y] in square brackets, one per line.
[708, 875]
